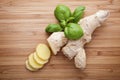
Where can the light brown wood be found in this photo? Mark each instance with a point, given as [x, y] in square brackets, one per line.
[22, 27]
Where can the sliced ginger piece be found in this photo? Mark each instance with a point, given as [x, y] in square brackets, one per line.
[29, 67]
[38, 59]
[33, 63]
[43, 51]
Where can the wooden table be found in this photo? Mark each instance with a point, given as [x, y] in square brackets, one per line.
[22, 27]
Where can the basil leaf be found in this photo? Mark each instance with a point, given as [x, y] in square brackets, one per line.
[73, 31]
[70, 19]
[53, 28]
[63, 23]
[62, 12]
[78, 13]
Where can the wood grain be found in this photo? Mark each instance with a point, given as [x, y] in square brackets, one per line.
[22, 25]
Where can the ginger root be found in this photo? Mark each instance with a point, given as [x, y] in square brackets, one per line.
[75, 48]
[56, 41]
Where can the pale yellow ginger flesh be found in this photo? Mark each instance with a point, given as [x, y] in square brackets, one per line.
[38, 59]
[43, 51]
[33, 63]
[29, 67]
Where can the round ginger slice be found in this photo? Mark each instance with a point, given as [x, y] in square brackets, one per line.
[43, 51]
[38, 59]
[29, 67]
[33, 63]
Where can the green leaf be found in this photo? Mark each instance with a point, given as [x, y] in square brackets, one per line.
[73, 31]
[70, 19]
[53, 28]
[62, 12]
[63, 23]
[78, 14]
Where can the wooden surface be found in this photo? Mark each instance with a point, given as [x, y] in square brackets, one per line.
[22, 25]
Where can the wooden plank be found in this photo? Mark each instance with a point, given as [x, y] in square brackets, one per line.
[22, 28]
